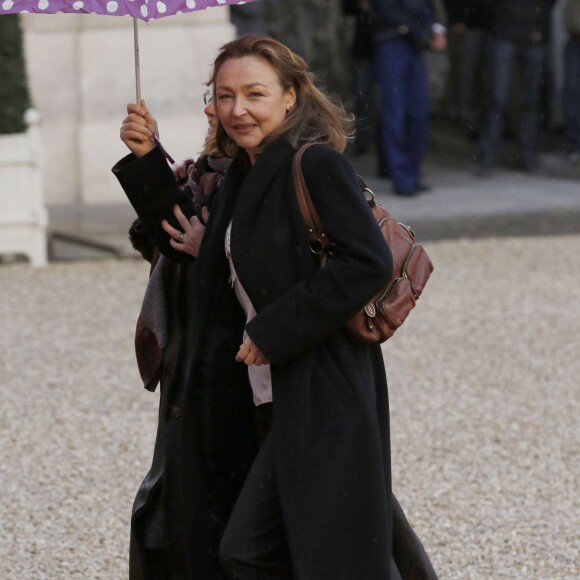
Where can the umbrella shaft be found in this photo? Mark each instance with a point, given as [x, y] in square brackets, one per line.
[137, 68]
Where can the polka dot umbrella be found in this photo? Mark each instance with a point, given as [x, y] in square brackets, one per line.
[139, 9]
[144, 9]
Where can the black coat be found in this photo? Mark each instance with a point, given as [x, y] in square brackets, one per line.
[363, 43]
[476, 14]
[415, 16]
[331, 418]
[526, 23]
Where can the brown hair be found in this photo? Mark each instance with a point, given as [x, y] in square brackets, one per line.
[314, 118]
[210, 148]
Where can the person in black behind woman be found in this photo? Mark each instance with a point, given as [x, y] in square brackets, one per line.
[282, 434]
[162, 328]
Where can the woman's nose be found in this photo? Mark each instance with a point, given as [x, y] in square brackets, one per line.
[239, 107]
[210, 109]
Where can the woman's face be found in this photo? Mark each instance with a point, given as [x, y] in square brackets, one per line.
[251, 102]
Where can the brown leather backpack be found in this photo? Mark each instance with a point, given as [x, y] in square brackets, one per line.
[386, 311]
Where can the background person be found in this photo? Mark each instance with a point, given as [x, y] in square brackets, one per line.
[520, 33]
[471, 22]
[405, 29]
[363, 56]
[572, 78]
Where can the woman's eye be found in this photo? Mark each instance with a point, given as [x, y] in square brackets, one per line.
[223, 97]
[254, 94]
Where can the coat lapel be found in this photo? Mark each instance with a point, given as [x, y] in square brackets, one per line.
[259, 180]
[260, 200]
[212, 266]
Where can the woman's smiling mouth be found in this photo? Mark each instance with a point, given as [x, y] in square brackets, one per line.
[244, 128]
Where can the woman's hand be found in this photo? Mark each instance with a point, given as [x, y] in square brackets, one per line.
[188, 240]
[183, 170]
[250, 354]
[138, 128]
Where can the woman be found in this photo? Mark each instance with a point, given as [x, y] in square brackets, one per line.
[288, 462]
[164, 320]
[159, 321]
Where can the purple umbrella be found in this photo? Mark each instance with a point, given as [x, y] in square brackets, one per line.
[146, 10]
[143, 9]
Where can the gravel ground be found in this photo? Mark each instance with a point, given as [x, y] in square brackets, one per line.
[484, 409]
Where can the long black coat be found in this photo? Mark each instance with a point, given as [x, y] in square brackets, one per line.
[331, 419]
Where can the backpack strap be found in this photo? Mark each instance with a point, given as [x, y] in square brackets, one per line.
[318, 240]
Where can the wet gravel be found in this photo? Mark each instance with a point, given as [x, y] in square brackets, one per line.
[484, 393]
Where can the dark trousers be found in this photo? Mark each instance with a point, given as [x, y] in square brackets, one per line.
[572, 93]
[364, 83]
[254, 545]
[473, 72]
[403, 110]
[505, 56]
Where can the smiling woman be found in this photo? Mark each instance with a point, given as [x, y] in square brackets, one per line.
[251, 102]
[278, 465]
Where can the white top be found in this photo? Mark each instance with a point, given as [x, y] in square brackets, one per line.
[260, 376]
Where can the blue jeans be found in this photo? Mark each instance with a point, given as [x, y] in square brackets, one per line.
[403, 110]
[572, 93]
[504, 57]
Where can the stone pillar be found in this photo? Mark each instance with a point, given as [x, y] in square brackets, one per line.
[81, 71]
[23, 217]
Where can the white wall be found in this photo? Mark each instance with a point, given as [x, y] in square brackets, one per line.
[81, 71]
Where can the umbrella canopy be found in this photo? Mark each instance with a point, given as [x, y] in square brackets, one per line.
[144, 9]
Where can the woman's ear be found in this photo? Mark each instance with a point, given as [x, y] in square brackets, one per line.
[290, 98]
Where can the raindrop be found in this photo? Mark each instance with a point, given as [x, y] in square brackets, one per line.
[7, 4]
[112, 6]
[78, 5]
[161, 8]
[43, 4]
[190, 3]
[144, 11]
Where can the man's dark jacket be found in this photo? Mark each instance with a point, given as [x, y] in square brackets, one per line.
[363, 43]
[476, 14]
[525, 23]
[415, 16]
[331, 421]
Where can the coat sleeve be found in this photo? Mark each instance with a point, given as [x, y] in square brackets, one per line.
[141, 241]
[362, 264]
[152, 190]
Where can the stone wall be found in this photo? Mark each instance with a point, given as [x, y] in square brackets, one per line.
[81, 71]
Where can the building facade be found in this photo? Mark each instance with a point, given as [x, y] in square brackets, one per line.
[82, 75]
